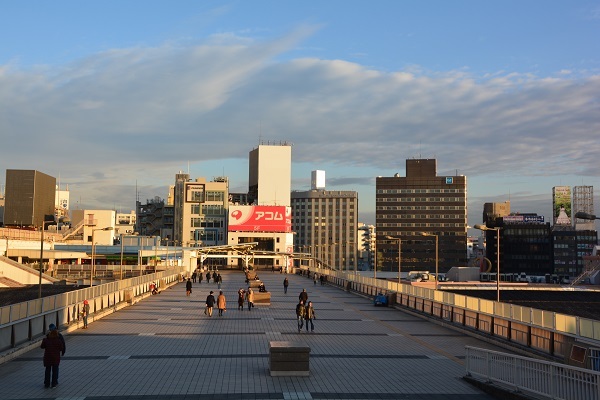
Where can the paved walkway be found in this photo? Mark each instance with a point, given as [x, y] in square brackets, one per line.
[164, 347]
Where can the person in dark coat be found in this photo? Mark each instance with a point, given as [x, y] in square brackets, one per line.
[210, 303]
[208, 277]
[188, 287]
[309, 315]
[286, 283]
[303, 296]
[54, 346]
[241, 297]
[300, 310]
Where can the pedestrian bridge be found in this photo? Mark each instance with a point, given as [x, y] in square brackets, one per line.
[163, 346]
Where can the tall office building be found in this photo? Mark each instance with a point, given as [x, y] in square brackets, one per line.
[417, 209]
[326, 223]
[270, 175]
[30, 197]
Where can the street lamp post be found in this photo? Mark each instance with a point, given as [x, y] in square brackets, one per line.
[330, 257]
[437, 256]
[399, 254]
[41, 256]
[108, 228]
[121, 264]
[485, 228]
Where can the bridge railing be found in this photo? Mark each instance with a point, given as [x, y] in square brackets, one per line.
[532, 376]
[25, 322]
[543, 332]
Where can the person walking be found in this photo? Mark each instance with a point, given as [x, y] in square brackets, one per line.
[214, 276]
[241, 296]
[322, 279]
[54, 346]
[250, 298]
[221, 303]
[315, 279]
[303, 296]
[188, 287]
[194, 275]
[286, 283]
[85, 312]
[219, 280]
[210, 303]
[200, 276]
[208, 277]
[309, 315]
[300, 310]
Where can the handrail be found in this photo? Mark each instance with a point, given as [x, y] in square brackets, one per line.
[24, 322]
[523, 374]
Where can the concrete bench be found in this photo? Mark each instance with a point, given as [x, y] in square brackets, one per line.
[289, 359]
[254, 284]
[263, 298]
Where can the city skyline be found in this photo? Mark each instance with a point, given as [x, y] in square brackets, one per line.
[114, 99]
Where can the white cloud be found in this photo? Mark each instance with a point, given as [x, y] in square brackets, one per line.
[141, 113]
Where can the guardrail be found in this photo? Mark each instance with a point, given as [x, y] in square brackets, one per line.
[25, 322]
[542, 378]
[538, 331]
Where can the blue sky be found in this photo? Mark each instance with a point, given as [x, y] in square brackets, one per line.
[116, 95]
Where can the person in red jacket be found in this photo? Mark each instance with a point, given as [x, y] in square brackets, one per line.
[53, 345]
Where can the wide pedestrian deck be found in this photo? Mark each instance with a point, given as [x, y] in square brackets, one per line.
[165, 347]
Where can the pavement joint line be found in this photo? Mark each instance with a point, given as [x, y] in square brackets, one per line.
[118, 357]
[148, 334]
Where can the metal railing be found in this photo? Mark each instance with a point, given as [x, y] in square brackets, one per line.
[531, 330]
[23, 323]
[532, 376]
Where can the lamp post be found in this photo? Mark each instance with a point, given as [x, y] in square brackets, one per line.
[485, 228]
[330, 257]
[108, 228]
[437, 258]
[399, 254]
[41, 256]
[121, 262]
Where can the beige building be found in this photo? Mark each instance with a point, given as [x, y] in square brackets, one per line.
[98, 226]
[326, 226]
[200, 211]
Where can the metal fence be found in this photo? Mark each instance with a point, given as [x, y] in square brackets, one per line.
[542, 378]
[25, 322]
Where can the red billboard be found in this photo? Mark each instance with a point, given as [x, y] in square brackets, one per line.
[260, 219]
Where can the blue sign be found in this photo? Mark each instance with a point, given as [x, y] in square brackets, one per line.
[449, 180]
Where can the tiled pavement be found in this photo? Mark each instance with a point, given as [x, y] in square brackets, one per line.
[164, 347]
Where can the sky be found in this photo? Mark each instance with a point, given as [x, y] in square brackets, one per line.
[114, 98]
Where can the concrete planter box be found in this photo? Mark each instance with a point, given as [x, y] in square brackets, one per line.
[289, 359]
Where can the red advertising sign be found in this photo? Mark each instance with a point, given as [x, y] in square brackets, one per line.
[260, 219]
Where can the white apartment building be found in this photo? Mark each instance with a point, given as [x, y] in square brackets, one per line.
[270, 175]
